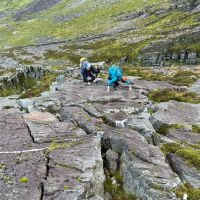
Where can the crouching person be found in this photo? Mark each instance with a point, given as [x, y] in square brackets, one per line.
[115, 74]
[88, 72]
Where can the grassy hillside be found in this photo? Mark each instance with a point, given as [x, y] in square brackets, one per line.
[124, 27]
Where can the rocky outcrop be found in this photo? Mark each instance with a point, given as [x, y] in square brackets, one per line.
[22, 73]
[62, 142]
[143, 166]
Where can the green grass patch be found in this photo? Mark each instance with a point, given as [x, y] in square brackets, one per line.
[164, 129]
[58, 67]
[193, 194]
[116, 190]
[195, 128]
[30, 86]
[189, 154]
[144, 73]
[2, 166]
[58, 145]
[184, 78]
[164, 95]
[7, 71]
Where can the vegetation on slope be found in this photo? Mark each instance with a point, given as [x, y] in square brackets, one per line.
[66, 20]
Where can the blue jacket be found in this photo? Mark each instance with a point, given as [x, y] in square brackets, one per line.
[115, 72]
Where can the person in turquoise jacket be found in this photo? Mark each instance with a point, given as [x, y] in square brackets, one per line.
[115, 74]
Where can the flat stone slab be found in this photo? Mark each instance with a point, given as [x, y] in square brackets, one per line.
[13, 131]
[195, 88]
[45, 127]
[22, 175]
[75, 172]
[174, 112]
[40, 117]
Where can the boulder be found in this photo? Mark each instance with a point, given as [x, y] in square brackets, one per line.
[143, 167]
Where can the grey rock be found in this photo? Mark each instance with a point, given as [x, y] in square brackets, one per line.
[45, 127]
[143, 166]
[141, 124]
[48, 104]
[23, 175]
[112, 160]
[174, 112]
[195, 87]
[187, 173]
[77, 172]
[25, 103]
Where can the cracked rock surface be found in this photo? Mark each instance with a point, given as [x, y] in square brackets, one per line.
[60, 148]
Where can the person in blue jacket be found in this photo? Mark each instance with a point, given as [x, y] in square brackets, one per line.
[88, 72]
[115, 74]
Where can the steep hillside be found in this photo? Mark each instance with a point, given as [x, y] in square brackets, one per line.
[153, 32]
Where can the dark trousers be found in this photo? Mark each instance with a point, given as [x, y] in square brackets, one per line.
[92, 73]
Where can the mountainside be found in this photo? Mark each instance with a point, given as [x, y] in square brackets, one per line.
[151, 32]
[65, 139]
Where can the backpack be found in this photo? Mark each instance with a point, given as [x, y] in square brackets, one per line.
[115, 71]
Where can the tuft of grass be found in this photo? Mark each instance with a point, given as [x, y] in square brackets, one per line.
[164, 95]
[164, 129]
[66, 187]
[193, 194]
[7, 71]
[2, 166]
[170, 148]
[34, 91]
[184, 78]
[116, 190]
[144, 73]
[24, 180]
[195, 128]
[189, 154]
[58, 67]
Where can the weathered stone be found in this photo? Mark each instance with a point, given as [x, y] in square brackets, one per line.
[145, 172]
[112, 160]
[76, 172]
[141, 124]
[45, 127]
[152, 85]
[175, 56]
[22, 176]
[48, 104]
[7, 103]
[195, 87]
[186, 173]
[183, 134]
[13, 132]
[174, 112]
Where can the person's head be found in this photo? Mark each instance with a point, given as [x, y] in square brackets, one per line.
[83, 59]
[124, 79]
